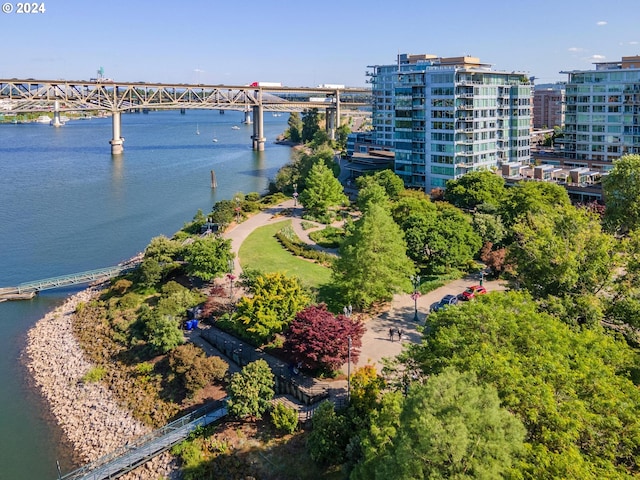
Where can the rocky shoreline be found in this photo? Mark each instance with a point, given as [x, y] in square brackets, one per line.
[88, 413]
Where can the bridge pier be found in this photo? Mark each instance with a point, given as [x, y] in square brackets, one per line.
[116, 140]
[247, 116]
[258, 128]
[56, 115]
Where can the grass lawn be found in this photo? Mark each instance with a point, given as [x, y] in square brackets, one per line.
[262, 251]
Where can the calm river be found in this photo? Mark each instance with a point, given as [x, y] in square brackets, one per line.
[67, 205]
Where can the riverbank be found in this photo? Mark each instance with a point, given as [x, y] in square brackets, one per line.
[88, 413]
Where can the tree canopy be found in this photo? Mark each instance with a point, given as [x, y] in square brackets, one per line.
[561, 252]
[275, 300]
[207, 257]
[481, 187]
[320, 341]
[621, 188]
[450, 427]
[570, 388]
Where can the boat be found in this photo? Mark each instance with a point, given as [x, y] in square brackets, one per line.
[215, 139]
[197, 129]
[44, 119]
[235, 127]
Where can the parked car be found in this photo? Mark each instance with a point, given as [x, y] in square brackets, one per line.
[445, 302]
[471, 292]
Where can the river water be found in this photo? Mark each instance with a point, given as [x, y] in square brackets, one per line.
[67, 205]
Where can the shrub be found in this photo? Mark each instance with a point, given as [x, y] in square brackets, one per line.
[251, 390]
[195, 369]
[95, 374]
[292, 243]
[284, 418]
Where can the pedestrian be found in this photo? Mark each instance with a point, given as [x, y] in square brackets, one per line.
[350, 309]
[400, 334]
[391, 332]
[346, 311]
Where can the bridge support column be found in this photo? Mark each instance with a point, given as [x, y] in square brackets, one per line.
[56, 115]
[258, 128]
[116, 140]
[330, 123]
[247, 117]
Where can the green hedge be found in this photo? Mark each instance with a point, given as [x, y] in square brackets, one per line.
[289, 240]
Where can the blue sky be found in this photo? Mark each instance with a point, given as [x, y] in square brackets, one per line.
[305, 43]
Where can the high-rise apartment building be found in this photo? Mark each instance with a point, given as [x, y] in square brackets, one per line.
[548, 105]
[602, 119]
[445, 117]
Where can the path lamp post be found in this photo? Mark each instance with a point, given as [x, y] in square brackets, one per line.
[349, 371]
[295, 194]
[237, 209]
[231, 278]
[415, 279]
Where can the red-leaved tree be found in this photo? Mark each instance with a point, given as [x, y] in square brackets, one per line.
[319, 340]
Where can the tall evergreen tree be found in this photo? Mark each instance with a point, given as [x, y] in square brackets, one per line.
[323, 191]
[310, 124]
[373, 262]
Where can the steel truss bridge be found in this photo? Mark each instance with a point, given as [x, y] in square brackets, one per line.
[23, 96]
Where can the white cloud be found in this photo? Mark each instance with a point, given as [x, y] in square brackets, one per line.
[601, 23]
[576, 49]
[633, 42]
[597, 58]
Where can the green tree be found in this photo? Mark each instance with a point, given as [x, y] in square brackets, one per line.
[223, 212]
[285, 419]
[481, 187]
[373, 263]
[251, 390]
[310, 124]
[441, 238]
[532, 197]
[294, 132]
[163, 333]
[489, 227]
[570, 387]
[561, 252]
[275, 301]
[450, 427]
[342, 134]
[329, 435]
[372, 194]
[323, 191]
[207, 257]
[392, 183]
[621, 188]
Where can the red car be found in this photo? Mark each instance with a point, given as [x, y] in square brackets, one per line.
[471, 292]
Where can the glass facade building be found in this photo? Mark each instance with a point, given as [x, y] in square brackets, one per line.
[445, 117]
[602, 119]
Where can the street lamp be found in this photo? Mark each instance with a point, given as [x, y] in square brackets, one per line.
[295, 194]
[415, 279]
[231, 278]
[237, 209]
[349, 371]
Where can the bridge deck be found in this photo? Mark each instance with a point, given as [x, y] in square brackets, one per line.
[29, 289]
[142, 450]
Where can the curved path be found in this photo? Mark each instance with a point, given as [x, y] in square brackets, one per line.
[376, 343]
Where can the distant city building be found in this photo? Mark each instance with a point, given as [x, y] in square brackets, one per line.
[602, 119]
[548, 105]
[445, 117]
